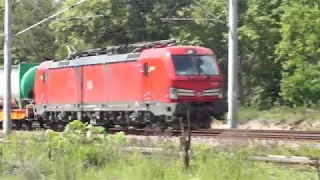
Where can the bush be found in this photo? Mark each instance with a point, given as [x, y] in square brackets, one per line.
[73, 155]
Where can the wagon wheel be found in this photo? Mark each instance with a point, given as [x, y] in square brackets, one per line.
[18, 125]
[29, 125]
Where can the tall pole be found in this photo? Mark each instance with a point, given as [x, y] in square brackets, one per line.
[7, 67]
[232, 64]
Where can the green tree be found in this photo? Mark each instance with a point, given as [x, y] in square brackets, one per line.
[123, 22]
[37, 43]
[299, 49]
[259, 66]
[259, 34]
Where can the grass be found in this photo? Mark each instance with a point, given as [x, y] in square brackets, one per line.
[280, 117]
[303, 150]
[76, 155]
[279, 114]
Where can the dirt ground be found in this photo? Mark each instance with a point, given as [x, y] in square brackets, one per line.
[269, 125]
[151, 141]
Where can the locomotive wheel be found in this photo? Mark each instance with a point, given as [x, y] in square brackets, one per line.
[139, 126]
[174, 126]
[41, 124]
[177, 126]
[160, 127]
[220, 109]
[54, 126]
[205, 123]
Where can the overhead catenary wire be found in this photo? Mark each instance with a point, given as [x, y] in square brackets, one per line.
[172, 11]
[81, 17]
[39, 9]
[187, 19]
[208, 12]
[58, 13]
[181, 19]
[85, 17]
[50, 17]
[72, 18]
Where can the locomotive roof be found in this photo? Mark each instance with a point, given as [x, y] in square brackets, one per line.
[98, 59]
[112, 54]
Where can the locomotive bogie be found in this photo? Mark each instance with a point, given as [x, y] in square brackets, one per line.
[169, 116]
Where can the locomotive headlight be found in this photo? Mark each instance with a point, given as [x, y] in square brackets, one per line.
[213, 92]
[173, 93]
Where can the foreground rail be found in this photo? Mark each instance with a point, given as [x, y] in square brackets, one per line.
[295, 135]
[266, 158]
[232, 134]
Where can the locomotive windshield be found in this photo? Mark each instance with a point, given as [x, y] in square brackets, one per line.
[195, 65]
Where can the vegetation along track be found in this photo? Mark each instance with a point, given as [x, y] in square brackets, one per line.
[219, 133]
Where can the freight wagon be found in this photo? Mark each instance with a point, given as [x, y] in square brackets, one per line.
[22, 81]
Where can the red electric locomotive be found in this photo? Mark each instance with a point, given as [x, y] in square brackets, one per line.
[131, 85]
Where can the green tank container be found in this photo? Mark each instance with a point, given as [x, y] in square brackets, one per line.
[27, 82]
[27, 73]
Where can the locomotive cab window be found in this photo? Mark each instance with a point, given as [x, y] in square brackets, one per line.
[192, 65]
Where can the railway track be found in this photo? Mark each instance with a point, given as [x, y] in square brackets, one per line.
[217, 133]
[232, 134]
[261, 134]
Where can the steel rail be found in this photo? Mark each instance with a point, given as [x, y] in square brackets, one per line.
[296, 135]
[233, 134]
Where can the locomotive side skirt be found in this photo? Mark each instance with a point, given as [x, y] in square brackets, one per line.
[157, 108]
